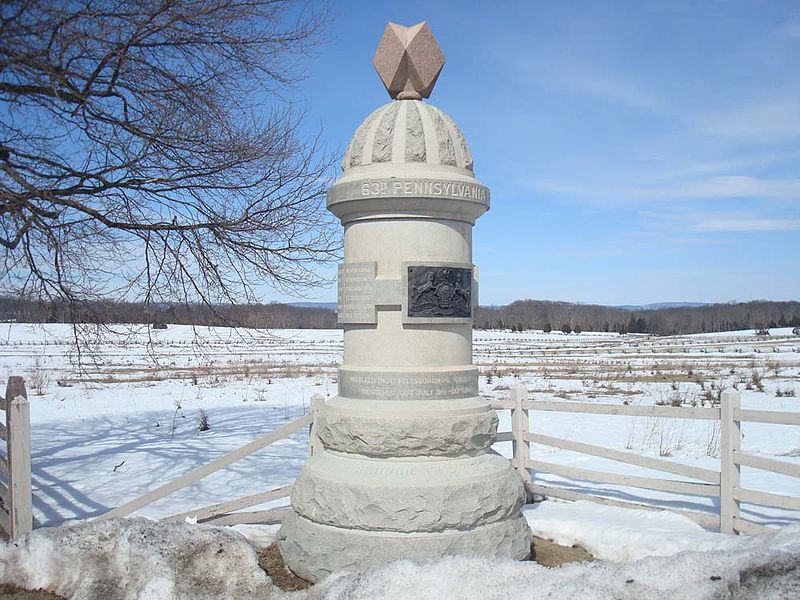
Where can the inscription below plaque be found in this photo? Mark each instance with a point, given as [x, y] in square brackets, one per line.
[408, 386]
[439, 292]
[356, 302]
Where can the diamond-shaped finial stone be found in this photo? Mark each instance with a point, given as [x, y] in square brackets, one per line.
[408, 60]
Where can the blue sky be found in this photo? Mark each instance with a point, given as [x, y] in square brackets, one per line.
[642, 151]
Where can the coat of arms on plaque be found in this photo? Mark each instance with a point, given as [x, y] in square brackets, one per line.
[439, 292]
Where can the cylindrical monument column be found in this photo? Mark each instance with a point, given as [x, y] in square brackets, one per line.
[406, 469]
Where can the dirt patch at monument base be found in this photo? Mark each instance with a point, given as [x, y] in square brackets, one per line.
[545, 552]
[549, 554]
[271, 561]
[15, 593]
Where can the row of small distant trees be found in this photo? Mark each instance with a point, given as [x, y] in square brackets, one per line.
[569, 317]
[547, 328]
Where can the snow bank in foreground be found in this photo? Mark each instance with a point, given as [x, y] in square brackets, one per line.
[764, 567]
[621, 534]
[126, 559]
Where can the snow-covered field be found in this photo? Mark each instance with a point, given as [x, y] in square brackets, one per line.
[122, 417]
[680, 371]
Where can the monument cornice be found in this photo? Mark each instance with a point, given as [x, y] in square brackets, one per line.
[435, 196]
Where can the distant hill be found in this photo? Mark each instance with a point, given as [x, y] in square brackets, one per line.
[654, 306]
[660, 305]
[274, 315]
[324, 305]
[666, 318]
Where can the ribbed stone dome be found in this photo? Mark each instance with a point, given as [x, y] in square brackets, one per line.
[408, 132]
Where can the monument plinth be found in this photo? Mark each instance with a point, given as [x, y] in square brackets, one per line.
[406, 469]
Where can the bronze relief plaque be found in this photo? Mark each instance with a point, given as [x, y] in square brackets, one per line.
[439, 291]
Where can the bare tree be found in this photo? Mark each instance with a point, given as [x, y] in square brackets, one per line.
[150, 150]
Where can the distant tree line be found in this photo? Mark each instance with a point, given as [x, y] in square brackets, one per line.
[518, 316]
[569, 317]
[278, 316]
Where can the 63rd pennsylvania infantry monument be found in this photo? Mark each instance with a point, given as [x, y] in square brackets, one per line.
[406, 469]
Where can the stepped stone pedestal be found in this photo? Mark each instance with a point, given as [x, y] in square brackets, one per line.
[406, 469]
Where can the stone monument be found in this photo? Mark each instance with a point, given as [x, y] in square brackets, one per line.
[406, 469]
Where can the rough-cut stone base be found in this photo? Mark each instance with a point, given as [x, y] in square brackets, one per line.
[409, 428]
[407, 494]
[314, 551]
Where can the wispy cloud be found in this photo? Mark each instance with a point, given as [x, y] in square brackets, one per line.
[582, 78]
[767, 120]
[708, 188]
[723, 186]
[591, 82]
[791, 29]
[726, 165]
[719, 225]
[724, 221]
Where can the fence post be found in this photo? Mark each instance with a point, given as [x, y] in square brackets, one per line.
[18, 429]
[519, 427]
[317, 404]
[730, 444]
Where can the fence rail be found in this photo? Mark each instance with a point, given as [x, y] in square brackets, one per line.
[657, 464]
[704, 414]
[725, 483]
[16, 513]
[706, 520]
[648, 483]
[766, 464]
[209, 468]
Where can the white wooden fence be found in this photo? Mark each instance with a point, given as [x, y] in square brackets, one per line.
[224, 513]
[16, 513]
[725, 483]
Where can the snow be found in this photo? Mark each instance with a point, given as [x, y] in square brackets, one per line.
[620, 534]
[124, 421]
[757, 568]
[137, 558]
[260, 536]
[140, 559]
[128, 423]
